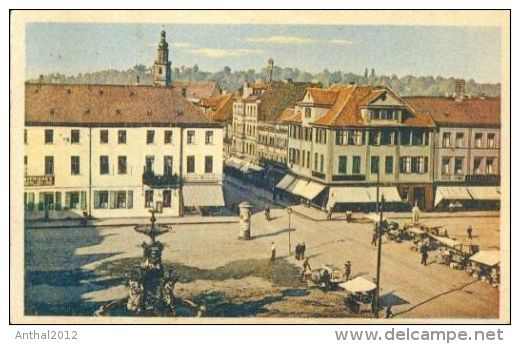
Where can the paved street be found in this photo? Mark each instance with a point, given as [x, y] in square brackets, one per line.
[72, 270]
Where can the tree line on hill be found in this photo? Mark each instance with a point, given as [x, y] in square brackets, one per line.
[230, 80]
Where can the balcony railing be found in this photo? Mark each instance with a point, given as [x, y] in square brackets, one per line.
[161, 181]
[489, 179]
[47, 180]
[348, 177]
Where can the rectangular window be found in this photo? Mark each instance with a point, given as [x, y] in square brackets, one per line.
[491, 140]
[373, 137]
[374, 164]
[490, 166]
[315, 161]
[103, 136]
[74, 136]
[191, 164]
[417, 137]
[167, 198]
[168, 165]
[74, 165]
[406, 137]
[459, 140]
[121, 137]
[72, 200]
[150, 136]
[103, 164]
[321, 163]
[49, 165]
[49, 136]
[386, 137]
[307, 112]
[120, 199]
[191, 136]
[168, 136]
[149, 160]
[121, 164]
[58, 200]
[308, 159]
[341, 137]
[478, 140]
[342, 164]
[477, 162]
[405, 165]
[356, 164]
[459, 162]
[100, 199]
[208, 164]
[446, 139]
[148, 199]
[209, 137]
[446, 168]
[389, 164]
[25, 165]
[25, 138]
[29, 201]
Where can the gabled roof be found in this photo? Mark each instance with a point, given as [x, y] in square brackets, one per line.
[198, 89]
[346, 109]
[466, 112]
[56, 104]
[278, 97]
[223, 111]
[286, 114]
[322, 97]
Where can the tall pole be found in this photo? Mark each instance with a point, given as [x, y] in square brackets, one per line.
[379, 242]
[289, 211]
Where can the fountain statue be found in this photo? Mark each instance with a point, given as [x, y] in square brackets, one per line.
[150, 288]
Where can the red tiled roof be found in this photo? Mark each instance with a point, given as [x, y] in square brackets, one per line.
[224, 110]
[108, 104]
[467, 112]
[346, 109]
[323, 97]
[198, 89]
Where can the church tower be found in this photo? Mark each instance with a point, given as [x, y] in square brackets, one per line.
[162, 67]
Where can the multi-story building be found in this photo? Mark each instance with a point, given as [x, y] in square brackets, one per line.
[467, 149]
[117, 150]
[345, 140]
[256, 122]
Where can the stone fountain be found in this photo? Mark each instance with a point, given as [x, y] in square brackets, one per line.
[150, 288]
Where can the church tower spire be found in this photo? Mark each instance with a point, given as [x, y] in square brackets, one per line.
[162, 67]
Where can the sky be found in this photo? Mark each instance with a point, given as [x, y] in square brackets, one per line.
[462, 52]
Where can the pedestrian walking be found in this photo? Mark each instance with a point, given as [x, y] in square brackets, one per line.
[297, 251]
[415, 213]
[302, 250]
[306, 266]
[329, 214]
[348, 268]
[374, 238]
[470, 232]
[348, 216]
[273, 252]
[424, 254]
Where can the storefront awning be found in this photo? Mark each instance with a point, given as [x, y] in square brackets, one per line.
[286, 181]
[309, 190]
[348, 195]
[210, 195]
[489, 258]
[491, 193]
[242, 165]
[390, 192]
[451, 193]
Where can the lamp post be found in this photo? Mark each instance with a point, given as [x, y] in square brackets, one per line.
[379, 242]
[289, 212]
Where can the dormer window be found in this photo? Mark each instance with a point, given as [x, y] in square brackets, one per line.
[383, 114]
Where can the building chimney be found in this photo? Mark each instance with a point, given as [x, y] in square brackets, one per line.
[460, 89]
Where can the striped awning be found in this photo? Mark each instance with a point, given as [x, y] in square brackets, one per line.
[452, 193]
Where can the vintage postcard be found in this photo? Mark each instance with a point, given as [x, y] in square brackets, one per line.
[260, 167]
